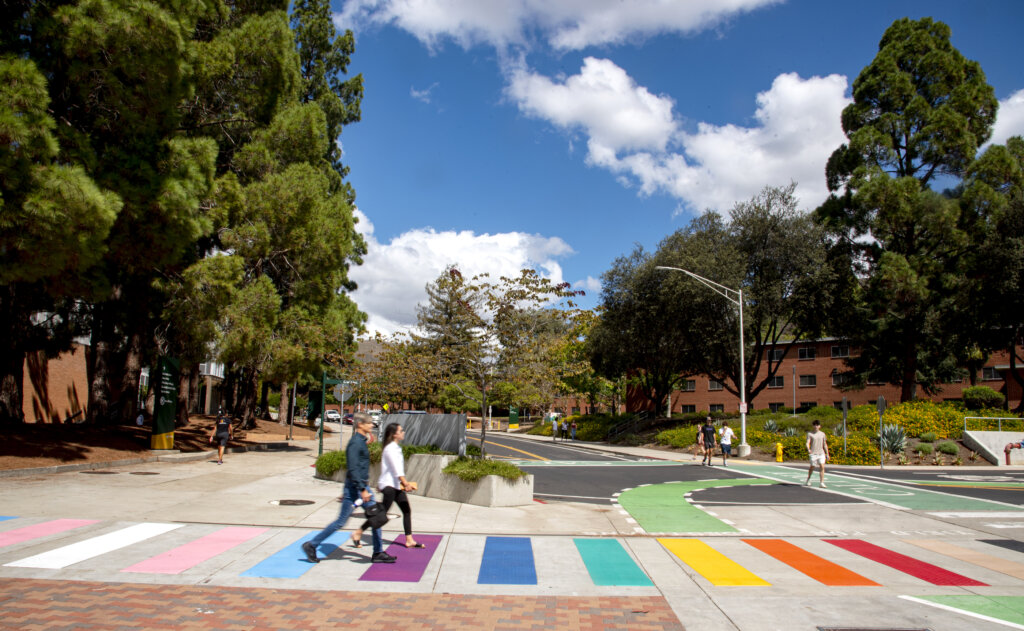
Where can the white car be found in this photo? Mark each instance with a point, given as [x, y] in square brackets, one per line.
[333, 416]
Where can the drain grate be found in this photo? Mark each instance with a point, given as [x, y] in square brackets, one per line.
[100, 472]
[291, 502]
[144, 473]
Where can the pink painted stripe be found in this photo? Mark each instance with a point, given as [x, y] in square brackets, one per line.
[192, 554]
[28, 533]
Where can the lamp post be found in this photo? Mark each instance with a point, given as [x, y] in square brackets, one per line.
[721, 290]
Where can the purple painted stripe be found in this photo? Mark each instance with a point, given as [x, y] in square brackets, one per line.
[28, 533]
[193, 553]
[410, 563]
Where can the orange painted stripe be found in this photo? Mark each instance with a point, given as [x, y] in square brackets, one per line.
[812, 565]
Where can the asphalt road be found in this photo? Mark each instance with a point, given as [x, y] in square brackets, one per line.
[977, 482]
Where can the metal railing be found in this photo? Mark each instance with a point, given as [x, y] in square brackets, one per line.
[631, 426]
[999, 420]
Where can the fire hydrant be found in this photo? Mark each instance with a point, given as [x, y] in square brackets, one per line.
[778, 452]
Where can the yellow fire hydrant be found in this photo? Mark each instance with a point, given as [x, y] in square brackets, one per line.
[778, 452]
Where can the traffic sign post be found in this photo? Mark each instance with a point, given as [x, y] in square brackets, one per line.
[881, 412]
[324, 382]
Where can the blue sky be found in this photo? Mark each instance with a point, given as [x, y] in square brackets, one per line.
[558, 134]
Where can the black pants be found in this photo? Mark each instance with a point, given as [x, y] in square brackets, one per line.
[395, 496]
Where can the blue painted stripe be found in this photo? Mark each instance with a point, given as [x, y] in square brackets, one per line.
[2, 518]
[609, 564]
[290, 562]
[507, 561]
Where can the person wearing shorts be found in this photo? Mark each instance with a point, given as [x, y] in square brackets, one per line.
[223, 433]
[725, 442]
[708, 442]
[817, 448]
[1010, 447]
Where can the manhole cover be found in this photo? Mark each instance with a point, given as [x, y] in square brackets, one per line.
[291, 502]
[100, 472]
[144, 473]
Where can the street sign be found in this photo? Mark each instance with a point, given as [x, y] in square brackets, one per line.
[341, 392]
[881, 405]
[743, 408]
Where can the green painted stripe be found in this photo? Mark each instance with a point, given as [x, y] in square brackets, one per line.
[1007, 608]
[894, 494]
[609, 564]
[663, 507]
[596, 463]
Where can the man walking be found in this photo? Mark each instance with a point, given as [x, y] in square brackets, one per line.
[357, 486]
[708, 433]
[817, 447]
[726, 442]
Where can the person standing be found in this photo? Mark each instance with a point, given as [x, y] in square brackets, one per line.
[357, 486]
[565, 430]
[817, 448]
[725, 436]
[222, 431]
[572, 430]
[393, 485]
[554, 427]
[708, 433]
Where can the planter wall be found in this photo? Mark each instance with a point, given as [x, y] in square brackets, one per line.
[425, 470]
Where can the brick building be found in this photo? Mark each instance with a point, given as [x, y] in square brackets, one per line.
[811, 374]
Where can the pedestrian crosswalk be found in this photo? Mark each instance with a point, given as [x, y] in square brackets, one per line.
[275, 554]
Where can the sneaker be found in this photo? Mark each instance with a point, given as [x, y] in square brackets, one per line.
[725, 464]
[310, 551]
[808, 482]
[822, 485]
[382, 557]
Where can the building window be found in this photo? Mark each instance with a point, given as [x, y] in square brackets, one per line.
[775, 407]
[808, 381]
[688, 409]
[688, 385]
[778, 381]
[775, 354]
[991, 374]
[575, 411]
[714, 384]
[840, 351]
[717, 407]
[840, 378]
[807, 352]
[838, 405]
[806, 405]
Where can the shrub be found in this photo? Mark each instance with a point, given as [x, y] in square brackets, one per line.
[949, 448]
[860, 449]
[824, 413]
[894, 439]
[918, 417]
[928, 437]
[981, 397]
[923, 449]
[473, 469]
[679, 438]
[330, 462]
[771, 426]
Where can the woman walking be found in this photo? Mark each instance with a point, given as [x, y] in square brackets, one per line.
[222, 431]
[393, 485]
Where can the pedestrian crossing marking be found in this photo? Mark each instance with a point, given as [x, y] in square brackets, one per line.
[717, 568]
[195, 552]
[5, 518]
[84, 550]
[987, 561]
[908, 565]
[609, 564]
[44, 529]
[290, 561]
[507, 561]
[410, 563]
[821, 570]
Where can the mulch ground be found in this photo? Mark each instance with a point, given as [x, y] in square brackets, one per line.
[46, 444]
[40, 604]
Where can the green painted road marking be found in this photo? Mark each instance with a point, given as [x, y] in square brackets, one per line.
[609, 564]
[663, 507]
[1005, 610]
[596, 463]
[892, 495]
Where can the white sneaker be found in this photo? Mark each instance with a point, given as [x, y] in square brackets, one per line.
[808, 482]
[822, 485]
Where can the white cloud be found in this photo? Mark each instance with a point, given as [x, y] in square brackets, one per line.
[1009, 119]
[393, 275]
[588, 284]
[635, 135]
[423, 95]
[564, 24]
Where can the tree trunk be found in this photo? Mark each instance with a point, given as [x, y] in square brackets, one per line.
[99, 373]
[12, 359]
[129, 399]
[184, 382]
[285, 405]
[194, 384]
[227, 402]
[264, 409]
[248, 385]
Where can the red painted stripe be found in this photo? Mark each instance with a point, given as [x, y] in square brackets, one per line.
[908, 565]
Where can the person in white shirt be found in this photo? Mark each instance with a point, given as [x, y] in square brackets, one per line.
[817, 448]
[393, 485]
[726, 435]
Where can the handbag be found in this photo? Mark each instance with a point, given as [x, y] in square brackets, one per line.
[376, 516]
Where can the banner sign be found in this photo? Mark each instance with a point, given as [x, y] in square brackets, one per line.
[165, 405]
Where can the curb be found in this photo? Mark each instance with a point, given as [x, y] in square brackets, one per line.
[171, 457]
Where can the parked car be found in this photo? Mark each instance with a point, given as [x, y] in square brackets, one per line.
[333, 416]
[348, 418]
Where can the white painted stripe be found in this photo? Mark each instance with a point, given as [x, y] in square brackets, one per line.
[726, 521]
[980, 514]
[630, 520]
[94, 547]
[581, 497]
[1014, 525]
[1005, 623]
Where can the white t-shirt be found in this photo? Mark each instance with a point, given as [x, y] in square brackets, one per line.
[727, 435]
[392, 467]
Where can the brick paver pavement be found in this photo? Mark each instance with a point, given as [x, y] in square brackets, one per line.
[30, 604]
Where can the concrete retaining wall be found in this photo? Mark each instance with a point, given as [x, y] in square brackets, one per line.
[990, 445]
[425, 470]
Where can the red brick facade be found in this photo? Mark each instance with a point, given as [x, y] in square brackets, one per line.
[817, 365]
[56, 390]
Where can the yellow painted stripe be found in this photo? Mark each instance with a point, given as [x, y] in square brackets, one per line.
[534, 456]
[997, 564]
[710, 563]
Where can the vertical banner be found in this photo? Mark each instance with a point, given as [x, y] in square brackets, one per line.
[513, 418]
[165, 404]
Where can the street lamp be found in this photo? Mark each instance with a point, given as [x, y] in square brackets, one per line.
[725, 292]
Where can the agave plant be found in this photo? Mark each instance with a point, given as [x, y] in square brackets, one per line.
[771, 426]
[894, 439]
[838, 432]
[790, 431]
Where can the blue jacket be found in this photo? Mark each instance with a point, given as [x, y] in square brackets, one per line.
[357, 461]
